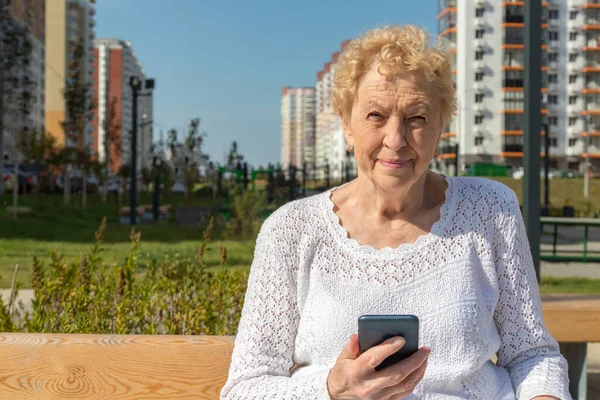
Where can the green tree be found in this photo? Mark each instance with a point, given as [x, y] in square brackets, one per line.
[38, 147]
[123, 174]
[112, 146]
[79, 110]
[234, 159]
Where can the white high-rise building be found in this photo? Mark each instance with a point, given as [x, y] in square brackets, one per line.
[488, 38]
[331, 147]
[298, 127]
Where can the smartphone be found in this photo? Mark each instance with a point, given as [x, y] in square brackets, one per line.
[376, 329]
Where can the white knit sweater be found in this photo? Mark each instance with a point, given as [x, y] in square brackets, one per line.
[470, 281]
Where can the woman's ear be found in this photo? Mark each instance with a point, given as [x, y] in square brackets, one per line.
[347, 132]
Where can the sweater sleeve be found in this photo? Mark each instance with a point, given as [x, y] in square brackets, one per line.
[264, 346]
[528, 351]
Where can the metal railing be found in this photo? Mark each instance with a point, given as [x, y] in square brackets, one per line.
[586, 255]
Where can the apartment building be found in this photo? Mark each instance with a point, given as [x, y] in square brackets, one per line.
[298, 127]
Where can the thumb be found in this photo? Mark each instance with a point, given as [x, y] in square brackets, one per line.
[351, 350]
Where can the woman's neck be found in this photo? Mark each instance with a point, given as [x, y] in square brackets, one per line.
[402, 203]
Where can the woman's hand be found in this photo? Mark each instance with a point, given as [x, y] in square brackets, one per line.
[354, 376]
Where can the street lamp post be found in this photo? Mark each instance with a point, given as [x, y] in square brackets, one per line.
[156, 198]
[136, 86]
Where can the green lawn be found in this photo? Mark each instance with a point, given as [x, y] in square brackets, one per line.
[71, 231]
[562, 191]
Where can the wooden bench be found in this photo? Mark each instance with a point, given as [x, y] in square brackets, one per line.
[55, 366]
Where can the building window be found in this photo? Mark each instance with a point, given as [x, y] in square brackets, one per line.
[479, 33]
[553, 14]
[478, 98]
[572, 99]
[552, 57]
[478, 76]
[553, 142]
[572, 78]
[478, 140]
[572, 142]
[552, 99]
[573, 15]
[572, 121]
[479, 12]
[553, 120]
[513, 79]
[573, 57]
[552, 78]
[513, 100]
[478, 119]
[552, 35]
[479, 55]
[572, 36]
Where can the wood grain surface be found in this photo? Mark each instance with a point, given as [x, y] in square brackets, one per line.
[108, 367]
[52, 366]
[572, 317]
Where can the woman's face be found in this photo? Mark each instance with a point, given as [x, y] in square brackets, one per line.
[395, 128]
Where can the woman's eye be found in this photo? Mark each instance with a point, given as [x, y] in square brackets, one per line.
[374, 115]
[418, 118]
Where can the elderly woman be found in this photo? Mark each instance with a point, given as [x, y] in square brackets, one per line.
[399, 239]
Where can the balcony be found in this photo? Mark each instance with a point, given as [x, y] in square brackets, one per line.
[479, 65]
[553, 65]
[479, 149]
[447, 149]
[554, 23]
[514, 19]
[479, 87]
[479, 43]
[479, 130]
[479, 108]
[574, 110]
[480, 22]
[574, 88]
[554, 44]
[574, 130]
[511, 149]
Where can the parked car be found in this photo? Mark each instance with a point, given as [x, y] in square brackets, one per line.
[179, 187]
[26, 180]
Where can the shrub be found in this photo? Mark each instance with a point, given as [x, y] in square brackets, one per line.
[247, 214]
[177, 295]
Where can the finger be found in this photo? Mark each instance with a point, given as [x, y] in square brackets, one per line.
[400, 376]
[351, 350]
[405, 387]
[375, 355]
[400, 396]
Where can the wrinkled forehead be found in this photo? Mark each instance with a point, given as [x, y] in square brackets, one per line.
[405, 87]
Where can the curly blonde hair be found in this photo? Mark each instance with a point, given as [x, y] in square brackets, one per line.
[396, 49]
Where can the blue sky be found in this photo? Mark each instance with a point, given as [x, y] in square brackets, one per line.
[226, 61]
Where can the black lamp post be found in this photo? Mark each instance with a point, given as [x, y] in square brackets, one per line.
[136, 86]
[156, 198]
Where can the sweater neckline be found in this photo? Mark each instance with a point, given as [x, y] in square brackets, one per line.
[438, 227]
